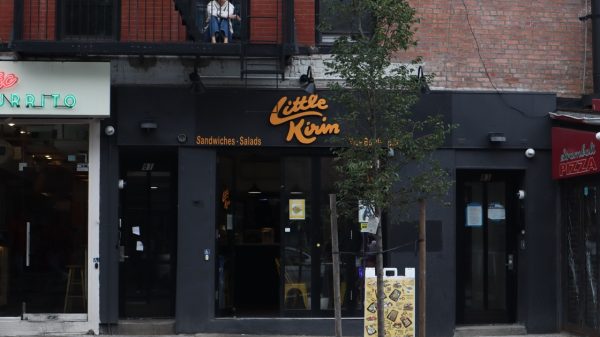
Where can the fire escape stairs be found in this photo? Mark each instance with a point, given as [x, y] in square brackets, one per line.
[272, 64]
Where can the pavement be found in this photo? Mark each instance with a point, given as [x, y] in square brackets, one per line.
[246, 335]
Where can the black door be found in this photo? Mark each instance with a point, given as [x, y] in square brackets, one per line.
[148, 234]
[487, 225]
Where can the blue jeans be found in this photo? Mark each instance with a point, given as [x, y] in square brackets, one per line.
[218, 24]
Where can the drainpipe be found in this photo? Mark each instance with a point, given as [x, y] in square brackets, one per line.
[596, 45]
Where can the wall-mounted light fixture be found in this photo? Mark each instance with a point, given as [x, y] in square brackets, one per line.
[308, 81]
[423, 86]
[530, 153]
[496, 137]
[109, 130]
[148, 126]
[197, 85]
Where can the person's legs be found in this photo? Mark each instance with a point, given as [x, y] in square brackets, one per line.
[228, 34]
[224, 27]
[214, 27]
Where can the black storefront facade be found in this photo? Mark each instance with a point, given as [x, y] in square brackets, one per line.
[214, 214]
[575, 167]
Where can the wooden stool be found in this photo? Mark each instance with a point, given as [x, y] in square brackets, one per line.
[75, 279]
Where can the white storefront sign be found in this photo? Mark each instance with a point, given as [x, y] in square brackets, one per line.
[54, 89]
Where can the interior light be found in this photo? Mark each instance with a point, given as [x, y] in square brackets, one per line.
[296, 190]
[22, 132]
[153, 187]
[254, 189]
[11, 124]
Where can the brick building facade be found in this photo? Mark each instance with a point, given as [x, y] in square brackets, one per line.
[505, 45]
[182, 141]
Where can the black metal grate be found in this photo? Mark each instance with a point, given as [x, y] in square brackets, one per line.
[88, 19]
[581, 226]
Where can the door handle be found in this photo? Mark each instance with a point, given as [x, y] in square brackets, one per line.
[122, 255]
[27, 244]
[510, 262]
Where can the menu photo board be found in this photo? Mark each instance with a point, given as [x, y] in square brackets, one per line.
[399, 303]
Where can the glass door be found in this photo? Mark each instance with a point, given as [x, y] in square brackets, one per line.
[487, 221]
[43, 218]
[354, 247]
[148, 235]
[308, 281]
[297, 241]
[248, 223]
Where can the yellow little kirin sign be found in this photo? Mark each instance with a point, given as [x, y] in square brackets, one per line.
[300, 115]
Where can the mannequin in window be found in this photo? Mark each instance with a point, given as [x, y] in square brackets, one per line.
[219, 14]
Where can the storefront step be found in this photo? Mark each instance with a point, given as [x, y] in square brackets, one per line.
[144, 327]
[490, 330]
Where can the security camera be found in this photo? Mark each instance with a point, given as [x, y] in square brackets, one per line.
[521, 194]
[529, 153]
[109, 130]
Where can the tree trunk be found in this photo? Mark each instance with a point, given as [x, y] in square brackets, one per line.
[379, 273]
[335, 258]
[422, 268]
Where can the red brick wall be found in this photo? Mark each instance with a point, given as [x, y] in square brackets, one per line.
[39, 19]
[151, 21]
[6, 19]
[524, 45]
[304, 12]
[265, 21]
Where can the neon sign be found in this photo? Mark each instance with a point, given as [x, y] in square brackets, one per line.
[28, 100]
[7, 80]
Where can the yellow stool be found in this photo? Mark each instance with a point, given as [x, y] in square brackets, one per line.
[300, 287]
[75, 279]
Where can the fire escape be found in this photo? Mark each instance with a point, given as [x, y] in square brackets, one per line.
[266, 38]
[263, 40]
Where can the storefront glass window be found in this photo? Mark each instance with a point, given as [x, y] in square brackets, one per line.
[274, 242]
[43, 218]
[580, 200]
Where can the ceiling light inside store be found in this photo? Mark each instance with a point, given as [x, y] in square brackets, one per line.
[254, 189]
[11, 124]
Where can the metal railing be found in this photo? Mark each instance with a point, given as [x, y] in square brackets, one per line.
[146, 21]
[98, 20]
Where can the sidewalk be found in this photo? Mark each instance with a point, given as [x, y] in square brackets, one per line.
[247, 335]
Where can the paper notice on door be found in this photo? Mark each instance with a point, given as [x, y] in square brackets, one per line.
[297, 209]
[496, 211]
[135, 230]
[474, 215]
[139, 246]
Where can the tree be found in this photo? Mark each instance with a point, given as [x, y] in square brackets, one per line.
[385, 156]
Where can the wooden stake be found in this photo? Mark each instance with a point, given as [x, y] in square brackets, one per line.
[335, 257]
